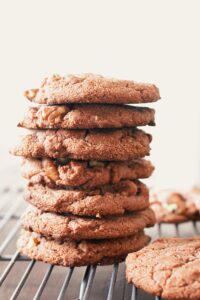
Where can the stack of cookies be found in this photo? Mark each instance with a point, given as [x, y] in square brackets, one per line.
[83, 160]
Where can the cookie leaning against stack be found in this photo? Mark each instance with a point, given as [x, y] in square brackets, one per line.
[83, 161]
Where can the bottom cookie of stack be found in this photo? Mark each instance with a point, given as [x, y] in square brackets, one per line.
[69, 252]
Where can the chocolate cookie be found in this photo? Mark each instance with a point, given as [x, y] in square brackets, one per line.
[78, 228]
[121, 144]
[84, 174]
[79, 253]
[91, 88]
[168, 268]
[87, 116]
[173, 207]
[125, 196]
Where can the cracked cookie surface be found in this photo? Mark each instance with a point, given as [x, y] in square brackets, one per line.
[125, 196]
[91, 88]
[169, 267]
[116, 144]
[87, 116]
[73, 253]
[77, 228]
[84, 174]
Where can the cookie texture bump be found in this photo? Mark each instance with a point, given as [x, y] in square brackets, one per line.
[169, 267]
[79, 253]
[125, 196]
[91, 88]
[84, 174]
[119, 144]
[87, 116]
[78, 228]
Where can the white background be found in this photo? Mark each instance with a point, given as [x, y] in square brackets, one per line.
[154, 41]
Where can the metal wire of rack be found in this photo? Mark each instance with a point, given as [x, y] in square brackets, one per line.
[22, 278]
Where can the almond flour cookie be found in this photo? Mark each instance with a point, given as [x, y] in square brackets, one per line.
[121, 144]
[170, 268]
[78, 228]
[84, 174]
[125, 196]
[173, 207]
[79, 253]
[91, 88]
[87, 116]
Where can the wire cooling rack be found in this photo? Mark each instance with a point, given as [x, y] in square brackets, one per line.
[22, 278]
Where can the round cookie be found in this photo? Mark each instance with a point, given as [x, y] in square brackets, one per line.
[116, 144]
[125, 196]
[84, 174]
[173, 207]
[169, 267]
[79, 253]
[91, 88]
[78, 228]
[87, 116]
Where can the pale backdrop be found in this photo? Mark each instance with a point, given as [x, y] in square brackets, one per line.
[154, 41]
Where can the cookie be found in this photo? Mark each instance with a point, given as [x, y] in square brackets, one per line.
[194, 196]
[87, 116]
[79, 253]
[173, 207]
[84, 174]
[91, 88]
[78, 228]
[125, 196]
[168, 268]
[121, 144]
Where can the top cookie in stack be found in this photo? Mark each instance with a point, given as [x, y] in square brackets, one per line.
[90, 88]
[83, 160]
